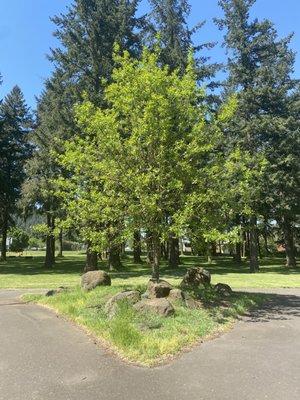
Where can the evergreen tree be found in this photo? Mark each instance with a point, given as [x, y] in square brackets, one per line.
[54, 124]
[87, 34]
[168, 20]
[16, 122]
[259, 66]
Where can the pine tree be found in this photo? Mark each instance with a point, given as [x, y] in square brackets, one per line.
[16, 123]
[87, 34]
[259, 67]
[168, 20]
[54, 124]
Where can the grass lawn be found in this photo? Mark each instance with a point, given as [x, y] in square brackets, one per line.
[22, 272]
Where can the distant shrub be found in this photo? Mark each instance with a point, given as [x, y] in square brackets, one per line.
[20, 240]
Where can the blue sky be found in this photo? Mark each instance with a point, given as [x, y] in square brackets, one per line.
[26, 36]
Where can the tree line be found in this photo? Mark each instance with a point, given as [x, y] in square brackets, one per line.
[135, 136]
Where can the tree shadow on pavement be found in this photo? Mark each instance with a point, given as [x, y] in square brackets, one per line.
[281, 307]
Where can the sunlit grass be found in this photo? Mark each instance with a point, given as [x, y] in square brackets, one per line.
[26, 272]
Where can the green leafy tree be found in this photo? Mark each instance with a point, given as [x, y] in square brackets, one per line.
[135, 162]
[16, 123]
[168, 20]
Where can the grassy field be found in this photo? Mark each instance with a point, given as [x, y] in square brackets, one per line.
[26, 272]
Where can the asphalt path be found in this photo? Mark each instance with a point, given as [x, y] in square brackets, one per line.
[44, 357]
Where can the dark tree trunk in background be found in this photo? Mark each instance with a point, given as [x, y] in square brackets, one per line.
[165, 250]
[181, 249]
[174, 259]
[60, 243]
[50, 242]
[265, 236]
[238, 253]
[91, 263]
[214, 249]
[289, 243]
[254, 264]
[209, 252]
[114, 260]
[238, 246]
[258, 246]
[4, 229]
[149, 248]
[123, 249]
[155, 256]
[137, 247]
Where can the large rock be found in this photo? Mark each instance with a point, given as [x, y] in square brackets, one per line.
[131, 297]
[223, 289]
[90, 280]
[176, 294]
[160, 306]
[196, 277]
[156, 290]
[193, 304]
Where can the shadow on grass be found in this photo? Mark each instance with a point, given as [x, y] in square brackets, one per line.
[71, 264]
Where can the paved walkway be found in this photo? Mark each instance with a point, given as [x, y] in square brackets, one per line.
[44, 357]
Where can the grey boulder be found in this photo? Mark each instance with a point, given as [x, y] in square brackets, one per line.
[156, 290]
[90, 280]
[160, 306]
[132, 297]
[223, 289]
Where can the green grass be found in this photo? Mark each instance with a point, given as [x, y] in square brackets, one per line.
[22, 272]
[146, 339]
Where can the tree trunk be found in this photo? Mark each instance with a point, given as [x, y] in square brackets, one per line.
[238, 253]
[289, 243]
[60, 243]
[155, 256]
[4, 229]
[149, 248]
[254, 264]
[91, 263]
[114, 260]
[181, 249]
[174, 259]
[214, 249]
[265, 237]
[209, 252]
[137, 247]
[50, 242]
